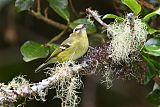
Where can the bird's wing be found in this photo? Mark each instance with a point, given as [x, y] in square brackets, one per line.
[65, 45]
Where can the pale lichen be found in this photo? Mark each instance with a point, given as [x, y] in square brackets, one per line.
[126, 38]
[66, 87]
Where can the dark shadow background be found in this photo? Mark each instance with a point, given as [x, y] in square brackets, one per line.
[15, 29]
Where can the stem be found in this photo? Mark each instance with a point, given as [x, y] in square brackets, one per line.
[38, 6]
[46, 12]
[47, 20]
[57, 37]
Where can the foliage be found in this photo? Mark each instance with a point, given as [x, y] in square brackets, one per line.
[22, 5]
[32, 50]
[3, 3]
[60, 7]
[133, 5]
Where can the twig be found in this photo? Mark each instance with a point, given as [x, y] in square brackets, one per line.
[38, 6]
[72, 7]
[47, 20]
[146, 4]
[95, 15]
[57, 37]
[11, 95]
[46, 12]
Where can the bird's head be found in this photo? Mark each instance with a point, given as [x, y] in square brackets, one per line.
[81, 28]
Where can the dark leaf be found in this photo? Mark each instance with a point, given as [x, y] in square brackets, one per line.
[148, 76]
[153, 67]
[154, 97]
[152, 46]
[22, 5]
[60, 7]
[3, 3]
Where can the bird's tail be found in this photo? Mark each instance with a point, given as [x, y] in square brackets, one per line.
[41, 67]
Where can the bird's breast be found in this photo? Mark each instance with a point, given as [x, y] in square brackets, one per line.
[76, 51]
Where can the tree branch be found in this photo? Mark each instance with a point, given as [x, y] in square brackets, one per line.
[96, 16]
[47, 20]
[57, 37]
[13, 91]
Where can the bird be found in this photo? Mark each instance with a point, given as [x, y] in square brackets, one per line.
[74, 47]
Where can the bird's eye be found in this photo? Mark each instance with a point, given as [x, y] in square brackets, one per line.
[76, 29]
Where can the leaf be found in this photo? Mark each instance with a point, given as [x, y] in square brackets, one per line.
[148, 76]
[3, 3]
[60, 7]
[152, 46]
[148, 16]
[91, 28]
[153, 67]
[154, 97]
[133, 5]
[22, 5]
[153, 41]
[32, 50]
[152, 64]
[152, 30]
[153, 50]
[112, 16]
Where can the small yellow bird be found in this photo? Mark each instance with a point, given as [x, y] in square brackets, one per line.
[75, 46]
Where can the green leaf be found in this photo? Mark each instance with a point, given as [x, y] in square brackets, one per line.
[154, 97]
[133, 5]
[22, 5]
[152, 30]
[152, 46]
[153, 50]
[91, 28]
[4, 3]
[152, 64]
[110, 16]
[153, 67]
[60, 7]
[32, 50]
[148, 16]
[148, 76]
